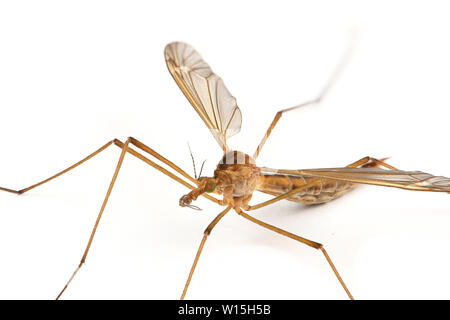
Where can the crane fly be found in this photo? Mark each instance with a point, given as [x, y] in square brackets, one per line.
[237, 176]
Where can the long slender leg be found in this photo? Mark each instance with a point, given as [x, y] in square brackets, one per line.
[9, 190]
[202, 243]
[317, 100]
[125, 149]
[62, 172]
[108, 193]
[284, 195]
[310, 243]
[371, 162]
[360, 162]
[129, 150]
[149, 150]
[158, 167]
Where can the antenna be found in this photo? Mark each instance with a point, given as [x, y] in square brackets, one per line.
[193, 161]
[201, 169]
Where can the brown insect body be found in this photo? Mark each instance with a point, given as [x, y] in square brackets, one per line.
[237, 177]
[323, 191]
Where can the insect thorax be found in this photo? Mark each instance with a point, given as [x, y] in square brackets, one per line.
[238, 171]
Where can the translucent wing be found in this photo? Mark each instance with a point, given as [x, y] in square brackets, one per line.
[205, 91]
[410, 180]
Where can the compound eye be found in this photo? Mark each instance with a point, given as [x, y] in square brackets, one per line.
[210, 186]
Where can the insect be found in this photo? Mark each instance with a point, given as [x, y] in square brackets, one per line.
[237, 176]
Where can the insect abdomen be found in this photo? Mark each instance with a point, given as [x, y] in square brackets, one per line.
[324, 191]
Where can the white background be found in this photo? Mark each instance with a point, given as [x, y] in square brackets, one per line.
[74, 75]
